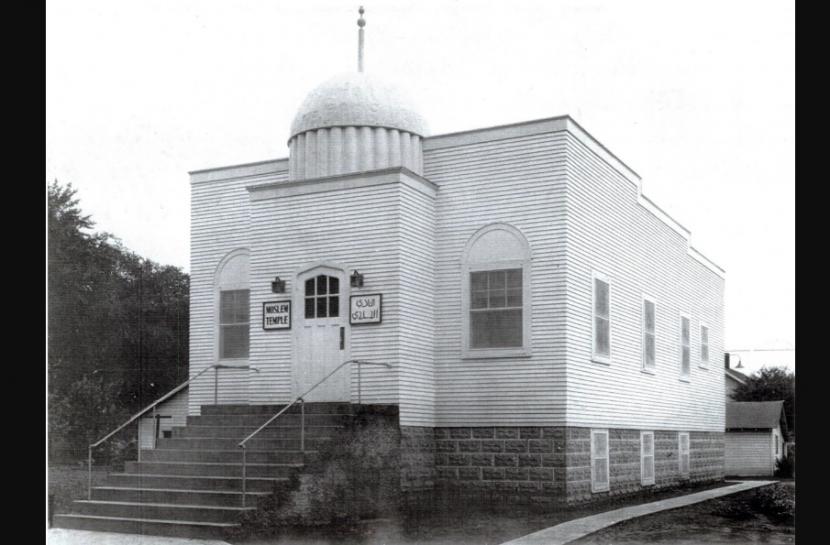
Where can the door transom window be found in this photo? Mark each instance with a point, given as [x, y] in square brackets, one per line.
[322, 297]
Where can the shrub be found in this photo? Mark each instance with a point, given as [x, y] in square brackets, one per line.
[356, 475]
[785, 468]
[734, 510]
[776, 501]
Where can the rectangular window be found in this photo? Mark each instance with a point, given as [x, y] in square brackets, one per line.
[649, 327]
[496, 309]
[601, 319]
[683, 457]
[647, 457]
[704, 345]
[233, 324]
[599, 461]
[685, 347]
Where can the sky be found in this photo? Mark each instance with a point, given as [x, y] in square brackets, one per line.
[697, 97]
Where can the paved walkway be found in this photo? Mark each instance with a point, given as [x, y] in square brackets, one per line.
[575, 529]
[62, 536]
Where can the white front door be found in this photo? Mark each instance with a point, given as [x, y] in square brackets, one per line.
[321, 342]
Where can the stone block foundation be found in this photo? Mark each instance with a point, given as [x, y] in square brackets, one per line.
[553, 464]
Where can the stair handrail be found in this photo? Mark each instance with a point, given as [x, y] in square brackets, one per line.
[153, 405]
[299, 399]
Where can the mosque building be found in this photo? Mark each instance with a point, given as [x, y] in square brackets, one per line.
[536, 324]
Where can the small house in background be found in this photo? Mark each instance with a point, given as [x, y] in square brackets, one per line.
[733, 380]
[756, 432]
[168, 414]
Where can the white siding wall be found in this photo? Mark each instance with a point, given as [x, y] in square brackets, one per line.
[749, 454]
[610, 232]
[417, 319]
[219, 223]
[357, 228]
[517, 180]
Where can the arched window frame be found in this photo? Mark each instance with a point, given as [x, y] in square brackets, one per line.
[467, 267]
[218, 286]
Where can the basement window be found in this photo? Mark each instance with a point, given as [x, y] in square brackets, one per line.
[683, 457]
[647, 457]
[599, 461]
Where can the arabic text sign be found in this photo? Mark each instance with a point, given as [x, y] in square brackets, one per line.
[366, 309]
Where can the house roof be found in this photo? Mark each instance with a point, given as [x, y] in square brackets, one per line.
[736, 375]
[753, 414]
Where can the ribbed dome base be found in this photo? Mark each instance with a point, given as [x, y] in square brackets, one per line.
[341, 150]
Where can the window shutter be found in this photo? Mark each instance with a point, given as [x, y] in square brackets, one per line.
[602, 318]
[649, 326]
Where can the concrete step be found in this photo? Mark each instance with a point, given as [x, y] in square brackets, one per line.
[271, 432]
[220, 455]
[256, 420]
[196, 482]
[180, 496]
[231, 443]
[169, 511]
[212, 469]
[156, 527]
[310, 408]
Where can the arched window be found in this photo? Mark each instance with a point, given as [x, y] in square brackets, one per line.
[233, 306]
[496, 293]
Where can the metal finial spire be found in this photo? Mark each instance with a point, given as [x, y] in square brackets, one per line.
[360, 23]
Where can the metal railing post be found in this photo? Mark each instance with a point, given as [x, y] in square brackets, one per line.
[244, 474]
[358, 383]
[153, 405]
[301, 400]
[89, 475]
[155, 428]
[216, 385]
[302, 425]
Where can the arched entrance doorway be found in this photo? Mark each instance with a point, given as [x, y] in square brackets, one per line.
[322, 334]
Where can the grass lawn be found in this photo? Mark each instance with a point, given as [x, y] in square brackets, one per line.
[456, 524]
[733, 519]
[69, 482]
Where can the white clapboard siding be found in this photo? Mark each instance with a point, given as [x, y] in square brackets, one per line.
[175, 408]
[220, 220]
[416, 386]
[610, 232]
[485, 178]
[749, 454]
[357, 227]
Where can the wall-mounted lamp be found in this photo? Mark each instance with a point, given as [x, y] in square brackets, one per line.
[356, 279]
[278, 286]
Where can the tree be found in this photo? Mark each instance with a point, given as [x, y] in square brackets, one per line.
[770, 384]
[112, 315]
